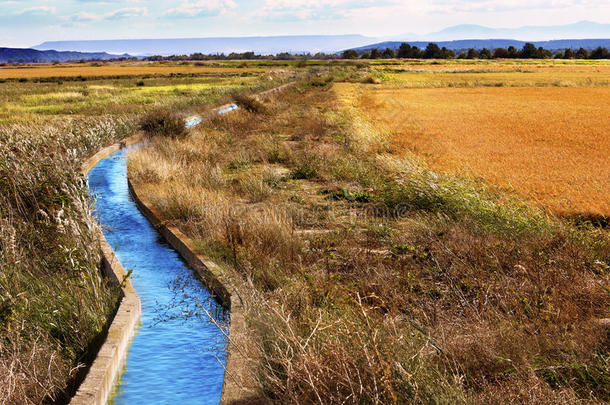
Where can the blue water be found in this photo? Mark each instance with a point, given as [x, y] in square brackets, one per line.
[192, 122]
[228, 109]
[171, 360]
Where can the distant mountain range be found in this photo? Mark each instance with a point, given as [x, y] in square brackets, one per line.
[586, 34]
[582, 29]
[495, 43]
[187, 46]
[24, 55]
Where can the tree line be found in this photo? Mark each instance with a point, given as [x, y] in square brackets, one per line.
[198, 56]
[406, 51]
[433, 51]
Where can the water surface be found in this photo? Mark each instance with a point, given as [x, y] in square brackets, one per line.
[170, 360]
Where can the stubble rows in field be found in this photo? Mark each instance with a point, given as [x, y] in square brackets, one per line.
[495, 74]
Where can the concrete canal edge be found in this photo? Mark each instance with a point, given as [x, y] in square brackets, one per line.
[99, 381]
[238, 385]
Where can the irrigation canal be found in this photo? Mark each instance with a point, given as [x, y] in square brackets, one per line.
[172, 359]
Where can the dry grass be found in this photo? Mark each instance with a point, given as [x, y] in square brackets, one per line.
[550, 144]
[37, 101]
[370, 279]
[54, 304]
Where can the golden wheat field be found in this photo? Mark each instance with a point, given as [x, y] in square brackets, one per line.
[550, 144]
[497, 75]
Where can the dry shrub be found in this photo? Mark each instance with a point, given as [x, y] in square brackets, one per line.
[371, 80]
[150, 168]
[250, 103]
[358, 357]
[307, 167]
[268, 148]
[163, 123]
[253, 187]
[30, 373]
[313, 125]
[194, 160]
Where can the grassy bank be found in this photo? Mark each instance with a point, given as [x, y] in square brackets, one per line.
[369, 278]
[53, 302]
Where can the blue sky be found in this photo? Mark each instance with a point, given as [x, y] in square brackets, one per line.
[29, 22]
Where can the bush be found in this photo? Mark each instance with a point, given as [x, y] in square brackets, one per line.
[371, 80]
[306, 169]
[350, 54]
[249, 103]
[164, 123]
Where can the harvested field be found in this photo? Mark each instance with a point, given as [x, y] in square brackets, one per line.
[550, 144]
[110, 70]
[498, 75]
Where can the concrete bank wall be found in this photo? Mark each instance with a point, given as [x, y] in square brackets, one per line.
[99, 381]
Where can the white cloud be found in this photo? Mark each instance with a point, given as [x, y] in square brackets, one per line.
[38, 10]
[84, 17]
[495, 6]
[304, 9]
[320, 9]
[120, 14]
[125, 13]
[201, 8]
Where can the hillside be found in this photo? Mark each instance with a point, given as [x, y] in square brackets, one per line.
[25, 55]
[181, 46]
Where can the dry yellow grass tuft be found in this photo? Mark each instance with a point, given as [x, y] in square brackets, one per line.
[548, 143]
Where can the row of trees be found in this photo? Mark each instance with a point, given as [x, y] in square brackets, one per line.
[433, 51]
[242, 56]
